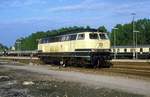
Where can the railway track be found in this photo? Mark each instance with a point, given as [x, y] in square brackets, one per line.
[144, 73]
[139, 68]
[132, 68]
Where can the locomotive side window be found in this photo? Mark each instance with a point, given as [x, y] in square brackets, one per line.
[125, 50]
[103, 36]
[93, 36]
[45, 40]
[72, 37]
[67, 38]
[52, 39]
[141, 49]
[81, 36]
[63, 38]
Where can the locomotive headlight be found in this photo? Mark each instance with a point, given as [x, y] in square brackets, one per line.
[93, 50]
[100, 44]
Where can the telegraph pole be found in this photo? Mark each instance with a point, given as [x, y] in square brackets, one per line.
[18, 47]
[115, 52]
[133, 30]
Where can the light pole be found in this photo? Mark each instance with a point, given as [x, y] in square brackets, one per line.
[136, 43]
[133, 29]
[115, 52]
[18, 46]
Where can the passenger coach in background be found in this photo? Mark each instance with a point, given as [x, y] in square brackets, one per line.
[84, 48]
[127, 52]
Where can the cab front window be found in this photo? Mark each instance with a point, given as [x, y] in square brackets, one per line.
[93, 36]
[103, 36]
[81, 37]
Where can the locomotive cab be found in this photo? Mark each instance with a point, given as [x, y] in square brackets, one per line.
[94, 41]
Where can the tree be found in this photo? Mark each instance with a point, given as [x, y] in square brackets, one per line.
[102, 29]
[3, 47]
[124, 33]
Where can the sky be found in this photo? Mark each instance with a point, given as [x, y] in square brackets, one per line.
[20, 18]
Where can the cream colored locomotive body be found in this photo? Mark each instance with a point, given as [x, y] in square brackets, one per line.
[75, 42]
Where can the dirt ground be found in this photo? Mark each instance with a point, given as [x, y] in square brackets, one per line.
[17, 82]
[44, 86]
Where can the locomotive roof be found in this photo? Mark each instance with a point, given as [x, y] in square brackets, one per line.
[81, 32]
[72, 34]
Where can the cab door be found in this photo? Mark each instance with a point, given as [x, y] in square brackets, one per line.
[72, 42]
[64, 45]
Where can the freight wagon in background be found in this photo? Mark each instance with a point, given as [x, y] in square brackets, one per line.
[84, 48]
[129, 52]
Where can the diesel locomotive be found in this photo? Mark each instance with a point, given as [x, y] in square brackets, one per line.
[83, 48]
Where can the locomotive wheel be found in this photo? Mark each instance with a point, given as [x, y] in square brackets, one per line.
[63, 64]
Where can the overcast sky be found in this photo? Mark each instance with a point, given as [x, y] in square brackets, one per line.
[20, 18]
